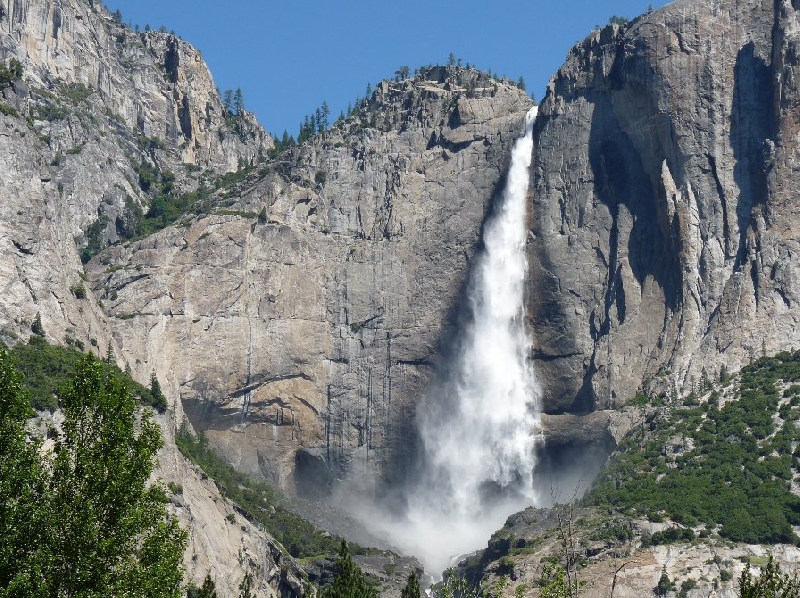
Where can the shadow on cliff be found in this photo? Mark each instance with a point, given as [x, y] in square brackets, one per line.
[751, 120]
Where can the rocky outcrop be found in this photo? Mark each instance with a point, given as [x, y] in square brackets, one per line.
[99, 111]
[615, 555]
[222, 542]
[301, 320]
[663, 203]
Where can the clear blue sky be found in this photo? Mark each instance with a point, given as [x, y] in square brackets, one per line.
[289, 56]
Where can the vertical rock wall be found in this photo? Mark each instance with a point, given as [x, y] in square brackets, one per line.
[301, 340]
[664, 188]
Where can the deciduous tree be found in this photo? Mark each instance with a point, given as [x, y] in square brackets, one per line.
[94, 525]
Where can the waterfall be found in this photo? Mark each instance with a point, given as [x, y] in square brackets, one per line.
[479, 426]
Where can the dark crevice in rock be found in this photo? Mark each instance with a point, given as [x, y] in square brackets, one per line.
[784, 296]
[751, 119]
[172, 59]
[544, 357]
[421, 362]
[21, 248]
[185, 117]
[726, 230]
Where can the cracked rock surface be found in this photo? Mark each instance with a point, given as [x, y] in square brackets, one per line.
[663, 229]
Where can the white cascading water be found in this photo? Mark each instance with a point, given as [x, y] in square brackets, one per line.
[480, 431]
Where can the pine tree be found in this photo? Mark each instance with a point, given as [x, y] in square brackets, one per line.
[159, 400]
[349, 581]
[772, 583]
[238, 102]
[664, 584]
[304, 134]
[227, 101]
[325, 113]
[36, 325]
[412, 589]
[207, 590]
[244, 587]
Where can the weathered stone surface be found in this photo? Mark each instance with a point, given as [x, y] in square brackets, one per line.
[620, 567]
[309, 317]
[102, 102]
[664, 218]
[222, 542]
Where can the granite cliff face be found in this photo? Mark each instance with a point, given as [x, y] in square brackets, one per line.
[663, 189]
[98, 107]
[300, 322]
[299, 313]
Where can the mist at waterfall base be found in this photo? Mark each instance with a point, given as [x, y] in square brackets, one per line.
[479, 425]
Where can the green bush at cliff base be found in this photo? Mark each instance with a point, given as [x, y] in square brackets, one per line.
[46, 368]
[729, 466]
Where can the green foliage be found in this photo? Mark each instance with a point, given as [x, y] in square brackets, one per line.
[772, 583]
[47, 368]
[76, 92]
[411, 589]
[78, 290]
[733, 469]
[257, 500]
[664, 585]
[315, 123]
[48, 112]
[671, 535]
[687, 586]
[36, 325]
[283, 143]
[10, 72]
[233, 102]
[554, 582]
[505, 566]
[401, 73]
[615, 532]
[454, 586]
[615, 20]
[349, 581]
[155, 391]
[167, 207]
[207, 590]
[94, 239]
[21, 487]
[245, 586]
[93, 524]
[8, 110]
